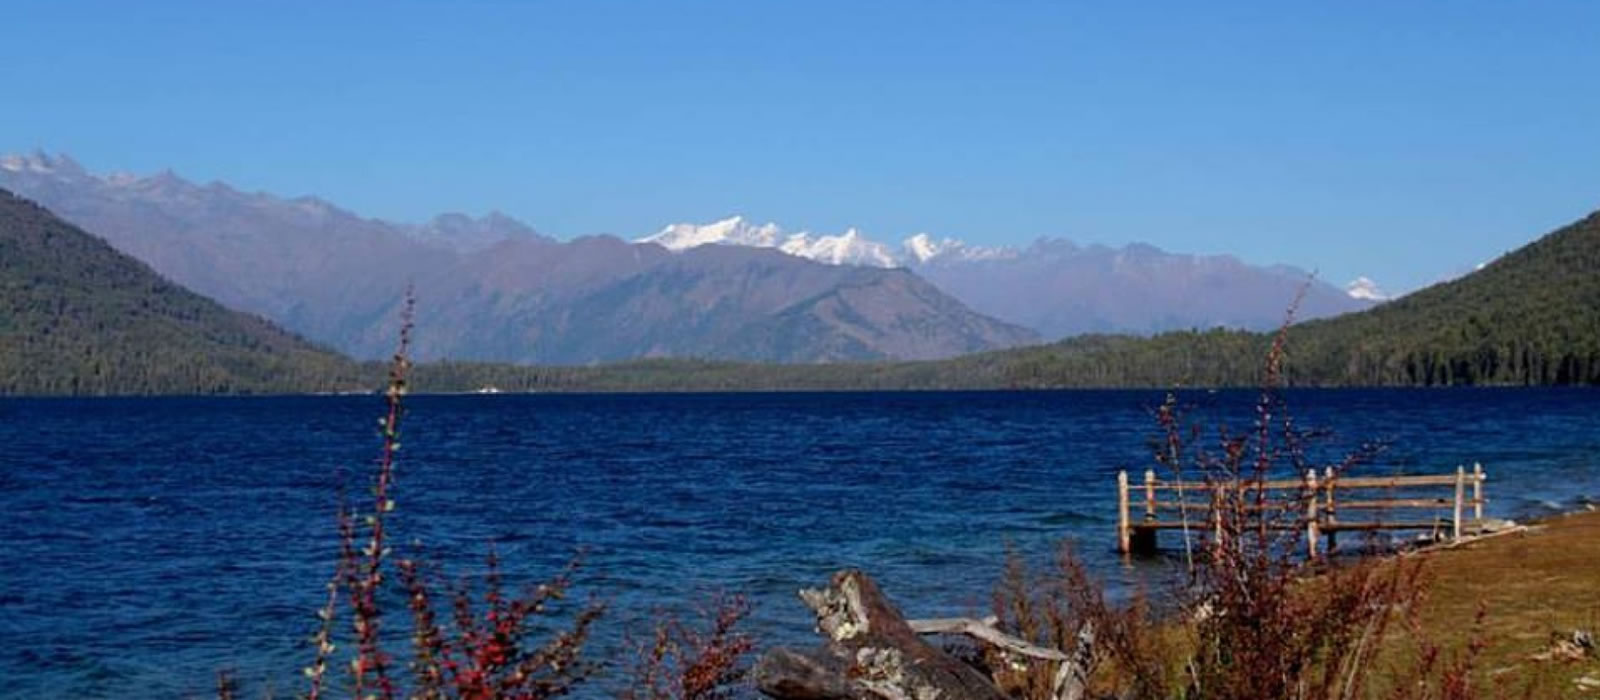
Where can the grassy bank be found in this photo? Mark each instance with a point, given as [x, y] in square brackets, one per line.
[1532, 585]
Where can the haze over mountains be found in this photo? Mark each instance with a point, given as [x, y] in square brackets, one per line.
[495, 289]
[1530, 317]
[1060, 288]
[78, 317]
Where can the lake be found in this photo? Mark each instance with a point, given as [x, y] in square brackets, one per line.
[153, 542]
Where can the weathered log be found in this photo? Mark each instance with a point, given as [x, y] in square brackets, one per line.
[983, 632]
[1071, 678]
[871, 653]
[796, 675]
[1071, 681]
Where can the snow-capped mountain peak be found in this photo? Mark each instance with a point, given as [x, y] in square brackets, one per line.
[851, 247]
[1365, 289]
[922, 248]
[41, 163]
[848, 248]
[734, 230]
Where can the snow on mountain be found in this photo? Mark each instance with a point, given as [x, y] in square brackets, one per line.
[1365, 289]
[922, 248]
[38, 162]
[1060, 288]
[848, 248]
[730, 231]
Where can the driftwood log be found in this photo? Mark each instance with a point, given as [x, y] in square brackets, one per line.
[871, 652]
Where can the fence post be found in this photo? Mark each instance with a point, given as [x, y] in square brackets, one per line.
[1216, 521]
[1311, 513]
[1332, 508]
[1123, 545]
[1149, 494]
[1477, 491]
[1461, 495]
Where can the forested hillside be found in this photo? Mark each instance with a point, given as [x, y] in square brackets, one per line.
[1530, 317]
[78, 317]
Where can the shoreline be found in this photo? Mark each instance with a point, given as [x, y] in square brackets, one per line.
[756, 391]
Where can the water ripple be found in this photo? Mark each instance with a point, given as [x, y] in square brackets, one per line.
[154, 542]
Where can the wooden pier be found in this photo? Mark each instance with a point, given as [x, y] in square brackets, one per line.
[1368, 506]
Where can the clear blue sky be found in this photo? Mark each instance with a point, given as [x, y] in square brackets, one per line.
[1399, 140]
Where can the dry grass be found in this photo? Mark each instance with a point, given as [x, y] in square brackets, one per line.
[1514, 595]
[1483, 625]
[1531, 586]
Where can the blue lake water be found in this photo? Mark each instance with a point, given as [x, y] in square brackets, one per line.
[152, 542]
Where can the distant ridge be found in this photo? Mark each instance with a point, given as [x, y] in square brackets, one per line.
[1531, 317]
[708, 316]
[330, 274]
[1055, 286]
[78, 317]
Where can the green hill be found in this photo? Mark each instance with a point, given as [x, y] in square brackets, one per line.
[78, 317]
[1532, 317]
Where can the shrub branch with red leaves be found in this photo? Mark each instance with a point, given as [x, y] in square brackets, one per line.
[694, 662]
[482, 654]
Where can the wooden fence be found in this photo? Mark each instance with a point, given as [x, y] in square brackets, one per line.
[1167, 505]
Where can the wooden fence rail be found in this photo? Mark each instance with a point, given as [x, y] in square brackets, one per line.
[1319, 498]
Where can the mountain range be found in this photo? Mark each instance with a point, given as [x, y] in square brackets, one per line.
[494, 289]
[79, 317]
[1530, 317]
[848, 248]
[1060, 288]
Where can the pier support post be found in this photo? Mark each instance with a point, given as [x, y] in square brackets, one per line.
[1123, 543]
[1143, 540]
